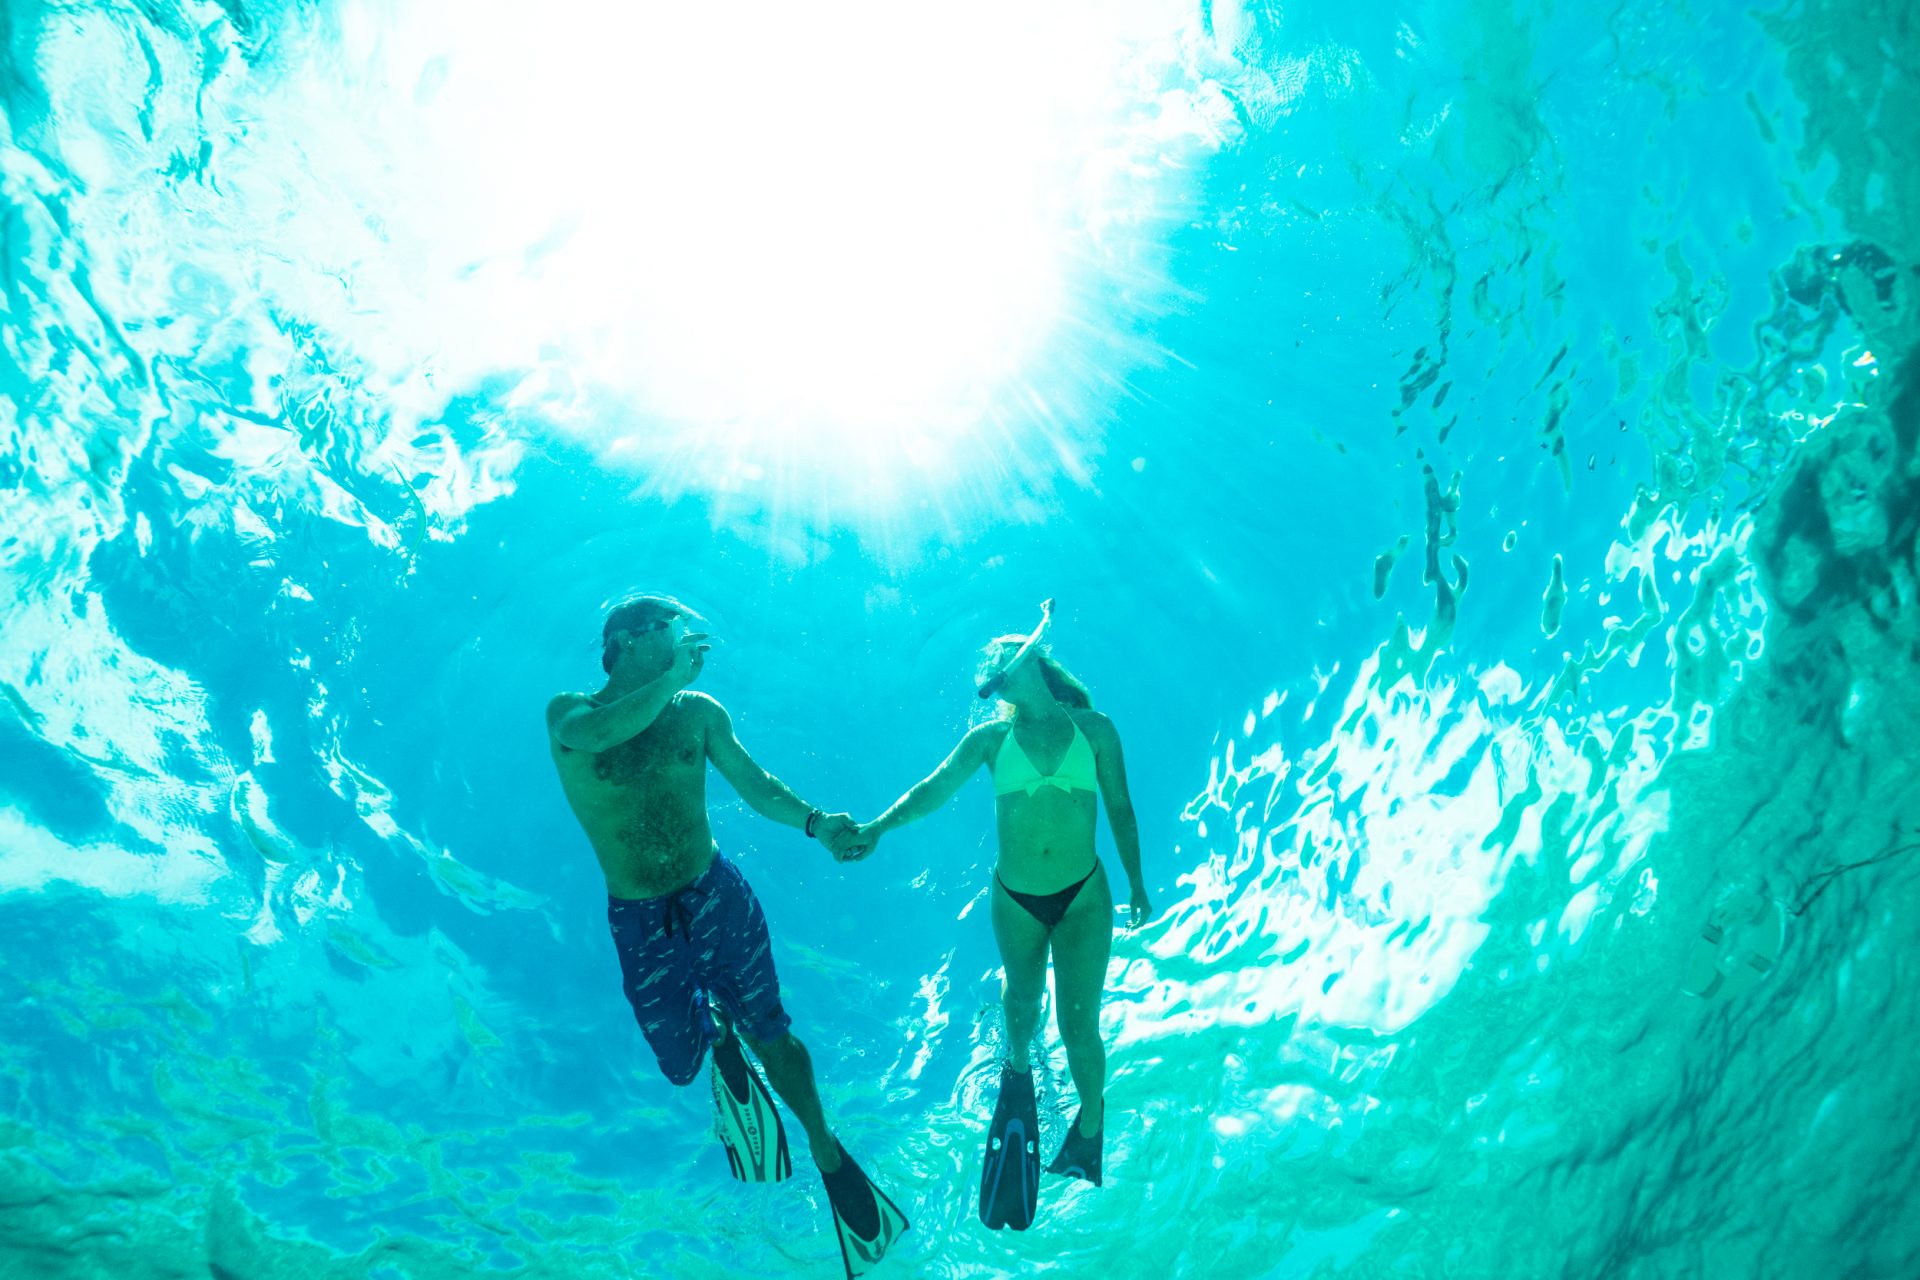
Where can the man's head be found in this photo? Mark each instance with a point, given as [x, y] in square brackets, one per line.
[641, 627]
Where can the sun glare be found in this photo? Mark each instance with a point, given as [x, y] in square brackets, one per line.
[765, 235]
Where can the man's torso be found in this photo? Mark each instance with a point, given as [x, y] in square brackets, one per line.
[643, 803]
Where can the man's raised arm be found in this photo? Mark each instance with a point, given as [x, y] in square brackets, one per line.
[576, 723]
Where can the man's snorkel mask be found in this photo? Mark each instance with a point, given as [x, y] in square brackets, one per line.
[993, 682]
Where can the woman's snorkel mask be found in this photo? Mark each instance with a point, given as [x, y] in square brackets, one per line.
[993, 682]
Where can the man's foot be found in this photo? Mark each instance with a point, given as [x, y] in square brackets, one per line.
[746, 1118]
[865, 1220]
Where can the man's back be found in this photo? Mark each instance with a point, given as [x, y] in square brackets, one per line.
[643, 802]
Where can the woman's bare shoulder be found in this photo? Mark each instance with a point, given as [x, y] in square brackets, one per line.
[1095, 724]
[987, 735]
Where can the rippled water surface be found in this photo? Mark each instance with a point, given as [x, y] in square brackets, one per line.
[1473, 448]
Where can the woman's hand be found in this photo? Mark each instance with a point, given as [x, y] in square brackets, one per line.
[850, 841]
[1139, 909]
[859, 843]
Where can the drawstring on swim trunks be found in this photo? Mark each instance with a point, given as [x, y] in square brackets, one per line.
[675, 907]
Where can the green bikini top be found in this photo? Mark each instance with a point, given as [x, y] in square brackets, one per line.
[1013, 771]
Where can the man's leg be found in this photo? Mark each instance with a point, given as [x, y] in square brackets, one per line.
[789, 1069]
[737, 962]
[856, 1205]
[657, 976]
[1023, 956]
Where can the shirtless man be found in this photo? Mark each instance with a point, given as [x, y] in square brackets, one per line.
[692, 939]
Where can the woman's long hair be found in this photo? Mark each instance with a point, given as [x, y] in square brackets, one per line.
[1061, 683]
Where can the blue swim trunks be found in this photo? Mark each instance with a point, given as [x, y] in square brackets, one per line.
[705, 943]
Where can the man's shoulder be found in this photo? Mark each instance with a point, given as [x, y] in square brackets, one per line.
[695, 703]
[561, 703]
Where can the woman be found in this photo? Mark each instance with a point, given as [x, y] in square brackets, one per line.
[1049, 752]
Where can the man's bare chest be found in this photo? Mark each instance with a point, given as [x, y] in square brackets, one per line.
[650, 761]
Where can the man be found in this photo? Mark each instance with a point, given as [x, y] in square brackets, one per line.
[692, 939]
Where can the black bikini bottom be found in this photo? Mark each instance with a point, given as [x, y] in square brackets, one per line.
[1048, 908]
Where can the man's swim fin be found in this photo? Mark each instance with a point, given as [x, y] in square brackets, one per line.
[1080, 1157]
[1010, 1171]
[746, 1118]
[865, 1220]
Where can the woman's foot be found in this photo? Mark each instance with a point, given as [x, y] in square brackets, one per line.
[1080, 1152]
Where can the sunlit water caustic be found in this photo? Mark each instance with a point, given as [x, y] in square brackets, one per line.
[1472, 446]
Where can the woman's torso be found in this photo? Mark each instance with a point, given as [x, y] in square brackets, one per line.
[1046, 818]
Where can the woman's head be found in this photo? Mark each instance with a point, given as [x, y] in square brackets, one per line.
[1038, 676]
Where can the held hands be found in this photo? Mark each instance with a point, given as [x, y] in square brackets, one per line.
[844, 838]
[866, 838]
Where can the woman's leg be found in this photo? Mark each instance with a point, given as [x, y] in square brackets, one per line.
[1081, 943]
[1023, 954]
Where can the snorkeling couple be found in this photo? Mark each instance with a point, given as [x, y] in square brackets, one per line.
[694, 951]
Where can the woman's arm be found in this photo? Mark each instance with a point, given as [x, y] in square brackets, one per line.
[938, 787]
[1110, 768]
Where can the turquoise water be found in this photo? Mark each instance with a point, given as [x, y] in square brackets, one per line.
[1466, 444]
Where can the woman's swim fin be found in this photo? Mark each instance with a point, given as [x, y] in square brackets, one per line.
[1010, 1171]
[1079, 1156]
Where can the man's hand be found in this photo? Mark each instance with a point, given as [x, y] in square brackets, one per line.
[689, 653]
[841, 835]
[1139, 909]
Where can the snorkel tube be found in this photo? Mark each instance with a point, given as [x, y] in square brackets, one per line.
[998, 678]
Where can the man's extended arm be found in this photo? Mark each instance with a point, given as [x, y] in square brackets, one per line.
[768, 796]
